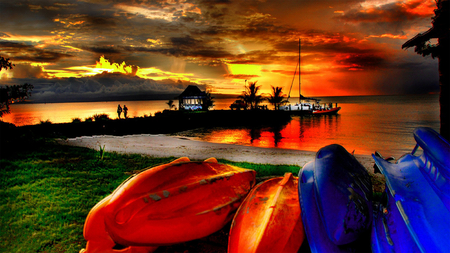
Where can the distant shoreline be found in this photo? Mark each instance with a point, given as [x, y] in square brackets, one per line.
[166, 97]
[162, 123]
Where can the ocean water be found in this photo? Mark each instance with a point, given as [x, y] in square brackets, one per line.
[364, 124]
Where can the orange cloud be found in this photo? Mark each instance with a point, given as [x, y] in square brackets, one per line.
[104, 65]
[390, 36]
[420, 7]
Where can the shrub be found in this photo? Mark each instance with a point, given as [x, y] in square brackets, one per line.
[76, 120]
[101, 117]
[47, 122]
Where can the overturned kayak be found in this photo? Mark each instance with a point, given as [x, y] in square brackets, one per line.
[168, 204]
[269, 218]
[336, 200]
[414, 215]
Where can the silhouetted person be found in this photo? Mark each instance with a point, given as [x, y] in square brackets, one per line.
[125, 111]
[119, 110]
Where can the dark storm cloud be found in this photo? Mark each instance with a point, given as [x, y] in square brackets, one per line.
[210, 31]
[362, 61]
[101, 22]
[322, 41]
[28, 71]
[389, 18]
[186, 41]
[263, 25]
[24, 52]
[413, 76]
[106, 86]
[392, 12]
[333, 48]
[186, 46]
[215, 11]
[21, 18]
[102, 49]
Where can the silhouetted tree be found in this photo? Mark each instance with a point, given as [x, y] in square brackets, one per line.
[170, 104]
[441, 31]
[277, 97]
[208, 102]
[250, 95]
[5, 63]
[14, 93]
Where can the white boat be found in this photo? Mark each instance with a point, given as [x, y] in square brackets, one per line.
[299, 108]
[304, 105]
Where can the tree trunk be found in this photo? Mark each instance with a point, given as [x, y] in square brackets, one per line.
[444, 83]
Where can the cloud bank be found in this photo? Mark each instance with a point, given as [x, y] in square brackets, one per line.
[102, 87]
[350, 47]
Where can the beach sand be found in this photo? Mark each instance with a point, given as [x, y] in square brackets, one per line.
[177, 146]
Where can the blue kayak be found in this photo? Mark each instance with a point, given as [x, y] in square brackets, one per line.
[414, 215]
[335, 194]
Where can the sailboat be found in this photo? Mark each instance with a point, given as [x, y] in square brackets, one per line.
[305, 105]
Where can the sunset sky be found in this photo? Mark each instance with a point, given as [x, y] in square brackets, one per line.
[111, 49]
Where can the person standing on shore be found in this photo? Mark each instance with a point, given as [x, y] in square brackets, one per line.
[125, 111]
[119, 110]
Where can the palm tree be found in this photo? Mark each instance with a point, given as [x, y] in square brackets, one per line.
[208, 101]
[250, 95]
[441, 31]
[277, 97]
[170, 104]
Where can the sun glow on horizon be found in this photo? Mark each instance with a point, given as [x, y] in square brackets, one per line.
[250, 70]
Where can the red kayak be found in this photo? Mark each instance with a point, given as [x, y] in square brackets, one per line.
[269, 219]
[168, 204]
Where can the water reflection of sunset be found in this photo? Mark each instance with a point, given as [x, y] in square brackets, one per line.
[301, 133]
[363, 126]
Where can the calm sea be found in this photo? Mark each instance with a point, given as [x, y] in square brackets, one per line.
[364, 124]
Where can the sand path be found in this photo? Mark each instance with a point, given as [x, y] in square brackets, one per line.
[176, 146]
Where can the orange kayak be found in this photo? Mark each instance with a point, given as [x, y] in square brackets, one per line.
[168, 204]
[269, 219]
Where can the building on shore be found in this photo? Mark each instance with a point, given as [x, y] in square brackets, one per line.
[192, 99]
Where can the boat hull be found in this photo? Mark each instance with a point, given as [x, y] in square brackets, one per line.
[415, 213]
[269, 218]
[336, 200]
[327, 111]
[298, 109]
[168, 204]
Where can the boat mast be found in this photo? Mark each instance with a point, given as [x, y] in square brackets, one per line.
[293, 78]
[299, 74]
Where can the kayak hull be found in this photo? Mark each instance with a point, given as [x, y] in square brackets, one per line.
[269, 218]
[168, 204]
[336, 201]
[414, 215]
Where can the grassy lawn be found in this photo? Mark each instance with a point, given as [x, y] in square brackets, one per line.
[47, 190]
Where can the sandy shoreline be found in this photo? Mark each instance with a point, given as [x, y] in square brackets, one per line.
[177, 146]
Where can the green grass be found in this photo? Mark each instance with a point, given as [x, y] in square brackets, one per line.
[47, 190]
[264, 170]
